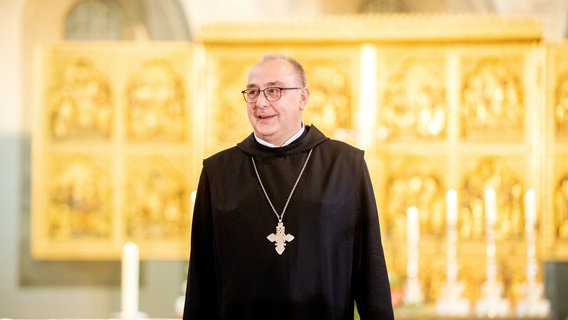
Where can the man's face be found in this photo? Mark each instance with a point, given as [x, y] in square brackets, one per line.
[276, 121]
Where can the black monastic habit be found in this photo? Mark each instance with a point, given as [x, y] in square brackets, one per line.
[335, 258]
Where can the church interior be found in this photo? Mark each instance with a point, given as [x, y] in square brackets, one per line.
[109, 107]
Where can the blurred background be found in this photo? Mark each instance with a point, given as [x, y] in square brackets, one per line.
[69, 288]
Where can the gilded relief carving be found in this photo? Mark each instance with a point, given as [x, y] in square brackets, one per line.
[415, 101]
[415, 184]
[80, 102]
[80, 201]
[561, 106]
[102, 104]
[492, 173]
[561, 208]
[158, 200]
[473, 280]
[156, 103]
[330, 101]
[492, 101]
[227, 104]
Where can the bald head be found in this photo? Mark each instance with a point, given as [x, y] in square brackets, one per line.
[298, 69]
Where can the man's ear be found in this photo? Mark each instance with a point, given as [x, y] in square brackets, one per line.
[304, 98]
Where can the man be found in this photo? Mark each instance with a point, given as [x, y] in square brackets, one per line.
[285, 223]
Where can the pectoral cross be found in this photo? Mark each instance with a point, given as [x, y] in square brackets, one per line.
[280, 238]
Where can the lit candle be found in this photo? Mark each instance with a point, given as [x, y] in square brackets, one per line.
[530, 220]
[451, 234]
[412, 236]
[413, 225]
[490, 217]
[130, 280]
[451, 208]
[530, 209]
[490, 206]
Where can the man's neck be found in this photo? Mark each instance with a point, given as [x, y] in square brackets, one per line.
[286, 142]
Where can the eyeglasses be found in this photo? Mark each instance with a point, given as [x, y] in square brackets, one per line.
[271, 93]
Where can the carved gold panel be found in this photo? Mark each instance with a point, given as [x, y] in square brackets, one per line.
[555, 225]
[113, 158]
[157, 190]
[156, 103]
[79, 197]
[334, 82]
[80, 102]
[509, 178]
[413, 94]
[226, 75]
[558, 90]
[414, 180]
[561, 107]
[560, 202]
[493, 94]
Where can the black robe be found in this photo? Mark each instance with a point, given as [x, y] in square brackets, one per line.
[335, 258]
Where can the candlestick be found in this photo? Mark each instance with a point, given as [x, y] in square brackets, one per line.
[491, 304]
[451, 208]
[530, 220]
[412, 292]
[451, 302]
[490, 206]
[412, 237]
[532, 304]
[451, 234]
[413, 225]
[530, 210]
[130, 280]
[490, 218]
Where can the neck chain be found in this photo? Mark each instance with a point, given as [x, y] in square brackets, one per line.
[280, 237]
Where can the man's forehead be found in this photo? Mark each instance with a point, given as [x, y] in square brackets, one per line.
[275, 83]
[271, 75]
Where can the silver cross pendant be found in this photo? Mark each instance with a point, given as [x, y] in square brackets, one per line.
[280, 238]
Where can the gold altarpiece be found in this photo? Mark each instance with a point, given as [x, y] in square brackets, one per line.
[437, 102]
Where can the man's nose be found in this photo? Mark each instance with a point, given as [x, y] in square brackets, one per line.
[261, 101]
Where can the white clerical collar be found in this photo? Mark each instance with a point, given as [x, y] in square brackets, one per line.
[287, 142]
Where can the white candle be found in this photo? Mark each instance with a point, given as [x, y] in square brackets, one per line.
[451, 234]
[490, 217]
[530, 220]
[490, 206]
[412, 236]
[451, 208]
[130, 280]
[530, 209]
[412, 225]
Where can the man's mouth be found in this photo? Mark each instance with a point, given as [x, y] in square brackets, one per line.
[263, 117]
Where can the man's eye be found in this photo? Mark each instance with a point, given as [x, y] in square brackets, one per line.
[272, 91]
[253, 92]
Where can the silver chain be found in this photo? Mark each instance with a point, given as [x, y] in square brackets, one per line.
[281, 216]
